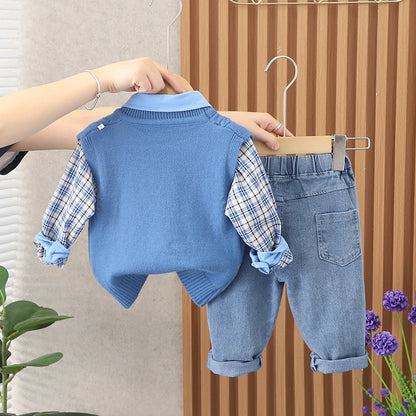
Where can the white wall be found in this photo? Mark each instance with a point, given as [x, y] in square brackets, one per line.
[116, 361]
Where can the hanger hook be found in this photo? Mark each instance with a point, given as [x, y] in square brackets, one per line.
[168, 30]
[287, 86]
[168, 33]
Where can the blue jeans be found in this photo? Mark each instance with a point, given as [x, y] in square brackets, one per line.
[325, 286]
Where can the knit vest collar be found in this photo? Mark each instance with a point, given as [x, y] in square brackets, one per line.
[186, 101]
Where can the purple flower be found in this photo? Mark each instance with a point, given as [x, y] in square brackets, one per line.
[384, 392]
[382, 412]
[366, 410]
[377, 405]
[367, 338]
[401, 414]
[384, 344]
[395, 301]
[405, 404]
[412, 315]
[370, 392]
[372, 321]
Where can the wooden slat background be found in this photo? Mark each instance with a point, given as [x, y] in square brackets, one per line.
[357, 76]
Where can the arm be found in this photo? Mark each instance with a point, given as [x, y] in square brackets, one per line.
[24, 113]
[62, 133]
[261, 125]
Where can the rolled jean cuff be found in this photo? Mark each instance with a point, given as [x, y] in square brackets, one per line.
[233, 368]
[51, 252]
[338, 366]
[267, 261]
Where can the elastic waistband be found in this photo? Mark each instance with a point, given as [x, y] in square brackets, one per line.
[298, 165]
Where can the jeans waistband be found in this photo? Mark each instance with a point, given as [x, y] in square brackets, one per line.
[298, 165]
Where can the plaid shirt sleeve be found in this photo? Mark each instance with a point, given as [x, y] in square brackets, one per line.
[72, 204]
[252, 210]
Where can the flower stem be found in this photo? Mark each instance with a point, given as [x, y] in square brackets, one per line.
[405, 344]
[4, 376]
[396, 376]
[4, 349]
[378, 373]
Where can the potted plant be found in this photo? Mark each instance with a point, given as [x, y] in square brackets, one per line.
[16, 319]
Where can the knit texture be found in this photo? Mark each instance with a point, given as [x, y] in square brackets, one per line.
[163, 179]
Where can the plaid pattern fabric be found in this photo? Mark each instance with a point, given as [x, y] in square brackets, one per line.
[250, 205]
[72, 204]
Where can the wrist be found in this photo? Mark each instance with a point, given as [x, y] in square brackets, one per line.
[100, 73]
[99, 92]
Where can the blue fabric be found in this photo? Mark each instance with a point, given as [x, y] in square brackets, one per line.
[324, 283]
[162, 181]
[167, 103]
[265, 260]
[53, 251]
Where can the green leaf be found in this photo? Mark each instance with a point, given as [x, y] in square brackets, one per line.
[41, 320]
[43, 361]
[23, 316]
[4, 275]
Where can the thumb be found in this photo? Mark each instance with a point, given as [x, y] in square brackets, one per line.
[269, 139]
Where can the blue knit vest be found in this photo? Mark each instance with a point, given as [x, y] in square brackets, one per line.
[163, 166]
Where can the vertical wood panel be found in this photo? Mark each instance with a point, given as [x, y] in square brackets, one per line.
[411, 128]
[339, 390]
[357, 75]
[301, 360]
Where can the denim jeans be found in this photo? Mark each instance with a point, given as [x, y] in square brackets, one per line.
[325, 286]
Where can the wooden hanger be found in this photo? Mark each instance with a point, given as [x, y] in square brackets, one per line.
[169, 90]
[306, 145]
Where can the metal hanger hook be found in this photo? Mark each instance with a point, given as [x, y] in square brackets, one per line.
[150, 4]
[168, 33]
[287, 86]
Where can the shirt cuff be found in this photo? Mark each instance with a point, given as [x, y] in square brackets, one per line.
[51, 252]
[268, 261]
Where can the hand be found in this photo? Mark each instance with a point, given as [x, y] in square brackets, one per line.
[261, 125]
[141, 75]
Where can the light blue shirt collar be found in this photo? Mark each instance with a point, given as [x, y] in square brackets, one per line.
[190, 100]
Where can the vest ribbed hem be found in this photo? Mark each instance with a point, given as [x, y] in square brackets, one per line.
[127, 291]
[199, 288]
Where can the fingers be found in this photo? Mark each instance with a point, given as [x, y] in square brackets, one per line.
[144, 85]
[149, 78]
[152, 77]
[141, 74]
[171, 78]
[269, 139]
[274, 126]
[269, 129]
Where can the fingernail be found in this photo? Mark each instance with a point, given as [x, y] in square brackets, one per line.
[275, 146]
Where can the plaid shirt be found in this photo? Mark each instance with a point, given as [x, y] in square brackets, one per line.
[250, 205]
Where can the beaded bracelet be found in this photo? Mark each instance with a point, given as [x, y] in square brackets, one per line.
[97, 97]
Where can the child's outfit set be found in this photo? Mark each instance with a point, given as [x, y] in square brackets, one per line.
[167, 184]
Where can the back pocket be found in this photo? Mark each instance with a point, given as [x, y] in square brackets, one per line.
[339, 239]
